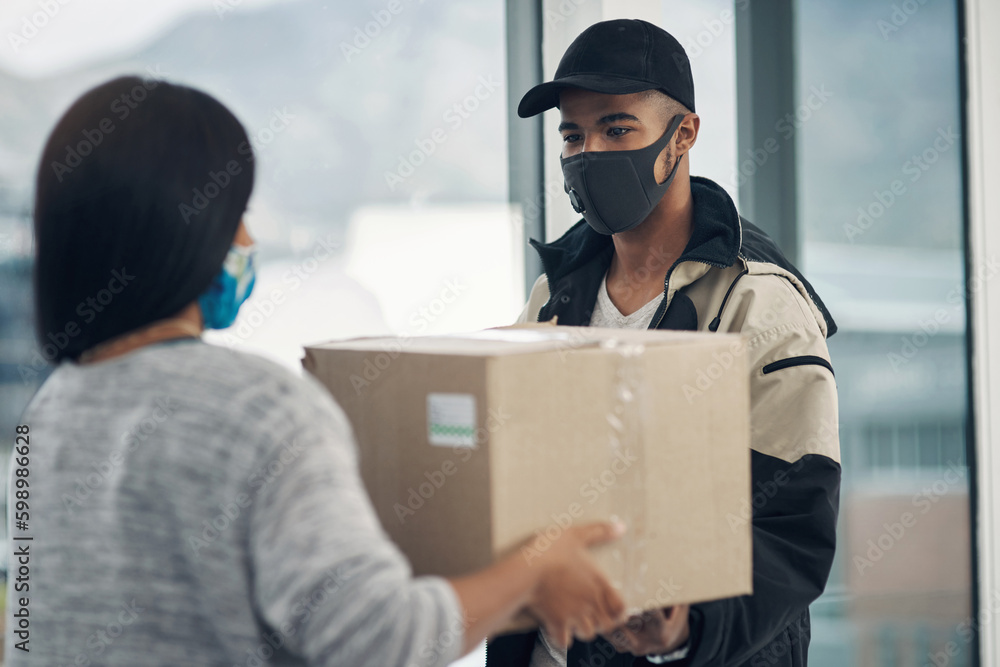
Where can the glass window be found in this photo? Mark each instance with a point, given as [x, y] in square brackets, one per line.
[382, 206]
[381, 196]
[381, 201]
[881, 223]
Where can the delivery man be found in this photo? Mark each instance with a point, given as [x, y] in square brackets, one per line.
[660, 249]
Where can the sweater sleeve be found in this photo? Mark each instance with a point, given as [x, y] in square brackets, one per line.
[325, 575]
[795, 468]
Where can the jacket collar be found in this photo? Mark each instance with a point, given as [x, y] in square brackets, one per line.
[576, 262]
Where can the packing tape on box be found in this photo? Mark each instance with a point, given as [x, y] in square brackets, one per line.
[627, 463]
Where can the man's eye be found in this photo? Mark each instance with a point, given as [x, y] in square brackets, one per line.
[570, 138]
[618, 131]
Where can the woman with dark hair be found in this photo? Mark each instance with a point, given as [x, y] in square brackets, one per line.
[192, 505]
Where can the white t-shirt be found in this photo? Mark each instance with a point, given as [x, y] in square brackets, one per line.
[607, 315]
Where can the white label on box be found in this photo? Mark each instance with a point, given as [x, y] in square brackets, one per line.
[451, 420]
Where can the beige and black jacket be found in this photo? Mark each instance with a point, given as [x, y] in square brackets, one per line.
[733, 278]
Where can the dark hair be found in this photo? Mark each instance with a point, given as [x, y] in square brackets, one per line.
[668, 106]
[140, 191]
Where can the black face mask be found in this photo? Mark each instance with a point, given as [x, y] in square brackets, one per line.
[616, 190]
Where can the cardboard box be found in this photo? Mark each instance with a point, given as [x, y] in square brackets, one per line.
[471, 444]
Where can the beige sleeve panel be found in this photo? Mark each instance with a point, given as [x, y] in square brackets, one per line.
[539, 297]
[793, 410]
[764, 268]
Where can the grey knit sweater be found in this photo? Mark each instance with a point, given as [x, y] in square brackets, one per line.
[192, 505]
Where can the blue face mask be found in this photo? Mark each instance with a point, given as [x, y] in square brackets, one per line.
[222, 301]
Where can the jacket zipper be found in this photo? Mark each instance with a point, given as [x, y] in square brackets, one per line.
[661, 310]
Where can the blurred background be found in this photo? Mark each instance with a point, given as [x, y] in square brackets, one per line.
[396, 191]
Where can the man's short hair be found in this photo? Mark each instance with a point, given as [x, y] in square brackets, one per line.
[668, 106]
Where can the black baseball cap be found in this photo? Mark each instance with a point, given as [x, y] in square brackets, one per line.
[617, 57]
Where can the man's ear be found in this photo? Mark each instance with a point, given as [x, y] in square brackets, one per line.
[687, 133]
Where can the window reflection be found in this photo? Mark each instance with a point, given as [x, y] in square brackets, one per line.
[880, 214]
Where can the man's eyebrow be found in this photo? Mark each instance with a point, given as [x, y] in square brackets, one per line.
[615, 117]
[603, 120]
